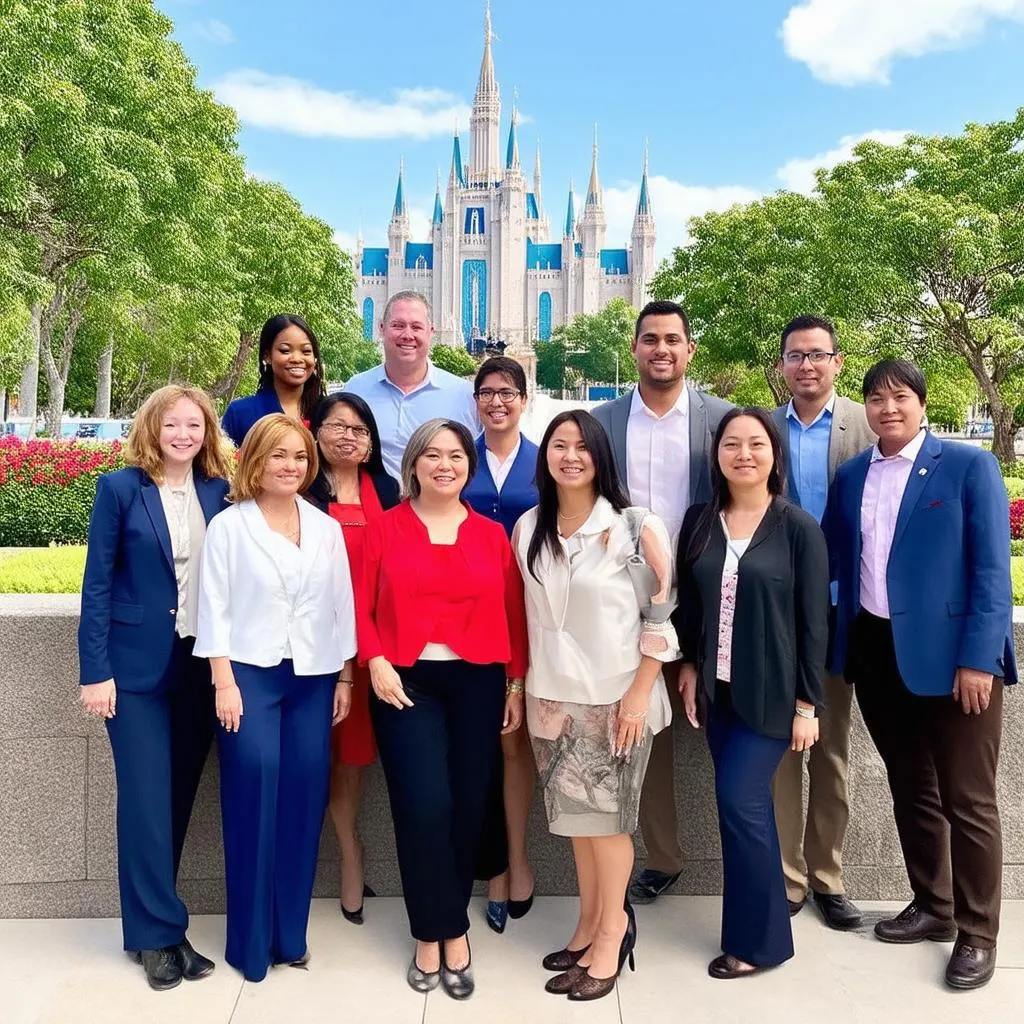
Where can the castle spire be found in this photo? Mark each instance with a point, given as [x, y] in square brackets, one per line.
[438, 211]
[536, 182]
[512, 152]
[594, 188]
[570, 215]
[399, 210]
[488, 83]
[643, 206]
[458, 174]
[485, 121]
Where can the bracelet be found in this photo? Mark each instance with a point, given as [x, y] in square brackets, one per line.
[805, 712]
[512, 688]
[347, 682]
[635, 715]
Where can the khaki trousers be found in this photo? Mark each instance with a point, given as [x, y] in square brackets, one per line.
[658, 821]
[812, 848]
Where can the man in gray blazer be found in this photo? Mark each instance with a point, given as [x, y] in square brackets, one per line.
[661, 434]
[819, 431]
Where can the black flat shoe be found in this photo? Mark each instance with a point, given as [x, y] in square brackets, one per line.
[161, 967]
[795, 906]
[520, 908]
[193, 965]
[457, 983]
[649, 885]
[563, 959]
[838, 912]
[726, 967]
[912, 924]
[970, 967]
[356, 916]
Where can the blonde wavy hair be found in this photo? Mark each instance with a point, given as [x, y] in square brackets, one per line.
[143, 448]
[266, 434]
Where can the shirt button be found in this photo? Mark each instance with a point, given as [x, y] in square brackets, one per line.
[174, 611]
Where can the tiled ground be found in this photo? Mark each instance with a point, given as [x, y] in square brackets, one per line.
[66, 971]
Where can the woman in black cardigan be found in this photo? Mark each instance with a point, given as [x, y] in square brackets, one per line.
[752, 622]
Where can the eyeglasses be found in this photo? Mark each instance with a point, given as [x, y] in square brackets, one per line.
[344, 430]
[507, 395]
[817, 357]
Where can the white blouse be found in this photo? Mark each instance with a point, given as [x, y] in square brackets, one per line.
[583, 616]
[187, 526]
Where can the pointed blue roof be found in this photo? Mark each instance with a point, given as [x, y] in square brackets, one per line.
[438, 214]
[643, 206]
[570, 216]
[399, 209]
[512, 153]
[458, 172]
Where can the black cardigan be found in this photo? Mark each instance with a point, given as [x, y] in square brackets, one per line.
[384, 484]
[780, 628]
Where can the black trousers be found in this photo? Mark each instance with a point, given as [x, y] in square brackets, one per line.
[439, 758]
[941, 765]
[160, 741]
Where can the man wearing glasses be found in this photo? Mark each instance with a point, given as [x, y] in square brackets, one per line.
[820, 430]
[407, 389]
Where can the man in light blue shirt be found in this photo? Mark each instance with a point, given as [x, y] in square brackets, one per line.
[407, 389]
[819, 430]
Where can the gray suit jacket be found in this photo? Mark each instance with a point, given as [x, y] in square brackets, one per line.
[850, 436]
[705, 414]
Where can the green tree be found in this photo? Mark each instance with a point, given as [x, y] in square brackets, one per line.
[454, 359]
[590, 348]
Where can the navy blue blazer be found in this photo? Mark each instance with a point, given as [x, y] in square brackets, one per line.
[518, 495]
[948, 577]
[242, 413]
[129, 592]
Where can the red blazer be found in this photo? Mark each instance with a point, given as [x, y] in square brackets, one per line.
[468, 595]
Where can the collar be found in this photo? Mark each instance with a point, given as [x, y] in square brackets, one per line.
[909, 451]
[638, 407]
[511, 455]
[430, 381]
[602, 517]
[829, 408]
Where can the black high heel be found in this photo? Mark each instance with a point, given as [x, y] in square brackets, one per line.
[589, 987]
[563, 959]
[356, 916]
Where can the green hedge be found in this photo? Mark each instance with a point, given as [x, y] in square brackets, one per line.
[43, 571]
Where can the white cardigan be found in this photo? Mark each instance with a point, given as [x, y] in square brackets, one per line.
[584, 620]
[246, 614]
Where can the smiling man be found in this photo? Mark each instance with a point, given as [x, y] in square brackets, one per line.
[661, 435]
[819, 430]
[919, 539]
[407, 389]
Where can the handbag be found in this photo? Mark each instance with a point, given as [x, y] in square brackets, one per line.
[642, 576]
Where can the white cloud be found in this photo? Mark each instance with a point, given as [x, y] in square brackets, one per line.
[345, 240]
[301, 108]
[673, 203]
[797, 175]
[214, 31]
[850, 42]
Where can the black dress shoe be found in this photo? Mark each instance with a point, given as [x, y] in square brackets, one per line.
[161, 967]
[838, 911]
[650, 884]
[912, 924]
[356, 916]
[970, 967]
[795, 906]
[193, 965]
[727, 967]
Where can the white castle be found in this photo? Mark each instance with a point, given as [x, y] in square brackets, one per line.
[489, 268]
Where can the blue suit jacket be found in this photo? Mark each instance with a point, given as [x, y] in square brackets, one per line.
[129, 592]
[517, 496]
[948, 577]
[242, 413]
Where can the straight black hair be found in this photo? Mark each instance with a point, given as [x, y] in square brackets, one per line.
[892, 373]
[320, 488]
[505, 367]
[808, 322]
[606, 482]
[314, 389]
[663, 307]
[720, 494]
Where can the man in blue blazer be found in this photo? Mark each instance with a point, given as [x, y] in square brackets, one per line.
[661, 434]
[919, 538]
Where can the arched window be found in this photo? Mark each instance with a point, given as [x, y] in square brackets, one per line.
[544, 316]
[368, 318]
[421, 263]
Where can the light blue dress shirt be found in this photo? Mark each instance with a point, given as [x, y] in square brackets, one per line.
[442, 395]
[808, 459]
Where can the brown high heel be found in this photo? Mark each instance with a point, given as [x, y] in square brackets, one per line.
[562, 984]
[588, 987]
[563, 959]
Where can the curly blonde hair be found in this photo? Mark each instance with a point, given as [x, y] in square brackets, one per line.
[266, 434]
[143, 448]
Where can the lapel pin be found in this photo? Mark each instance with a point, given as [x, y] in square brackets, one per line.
[922, 471]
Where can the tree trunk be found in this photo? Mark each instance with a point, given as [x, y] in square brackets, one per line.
[104, 372]
[224, 386]
[1002, 414]
[1003, 433]
[69, 299]
[28, 391]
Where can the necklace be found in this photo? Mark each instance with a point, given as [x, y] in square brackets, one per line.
[570, 519]
[283, 527]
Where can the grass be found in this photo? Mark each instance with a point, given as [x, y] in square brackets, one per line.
[42, 571]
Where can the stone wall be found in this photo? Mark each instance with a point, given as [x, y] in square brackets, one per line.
[57, 849]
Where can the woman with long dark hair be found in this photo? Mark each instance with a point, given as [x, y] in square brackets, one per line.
[752, 622]
[597, 576]
[351, 486]
[292, 379]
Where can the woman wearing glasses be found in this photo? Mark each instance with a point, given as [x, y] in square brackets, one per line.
[502, 489]
[352, 487]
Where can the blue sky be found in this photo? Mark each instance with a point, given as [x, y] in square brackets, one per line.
[735, 97]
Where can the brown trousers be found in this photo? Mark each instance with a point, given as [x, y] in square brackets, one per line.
[658, 820]
[941, 765]
[812, 851]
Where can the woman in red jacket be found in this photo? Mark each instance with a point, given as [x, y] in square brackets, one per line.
[442, 627]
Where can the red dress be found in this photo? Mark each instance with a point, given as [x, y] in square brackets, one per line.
[352, 739]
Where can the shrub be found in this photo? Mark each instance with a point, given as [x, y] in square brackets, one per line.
[1016, 548]
[47, 488]
[1014, 487]
[43, 571]
[1013, 470]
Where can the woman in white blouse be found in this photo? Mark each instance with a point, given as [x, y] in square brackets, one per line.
[597, 577]
[277, 621]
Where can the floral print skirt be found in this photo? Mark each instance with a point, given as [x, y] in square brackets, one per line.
[588, 791]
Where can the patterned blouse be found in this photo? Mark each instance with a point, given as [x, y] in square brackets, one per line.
[734, 550]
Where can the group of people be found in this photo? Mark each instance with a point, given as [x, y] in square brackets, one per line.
[394, 571]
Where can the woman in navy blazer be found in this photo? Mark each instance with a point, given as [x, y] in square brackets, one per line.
[291, 377]
[502, 489]
[135, 641]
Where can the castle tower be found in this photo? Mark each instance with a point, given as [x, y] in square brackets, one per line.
[592, 231]
[398, 236]
[569, 260]
[642, 263]
[485, 121]
[510, 318]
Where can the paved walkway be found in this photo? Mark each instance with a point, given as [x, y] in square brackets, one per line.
[64, 972]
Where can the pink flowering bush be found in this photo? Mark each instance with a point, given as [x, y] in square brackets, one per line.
[1017, 519]
[47, 488]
